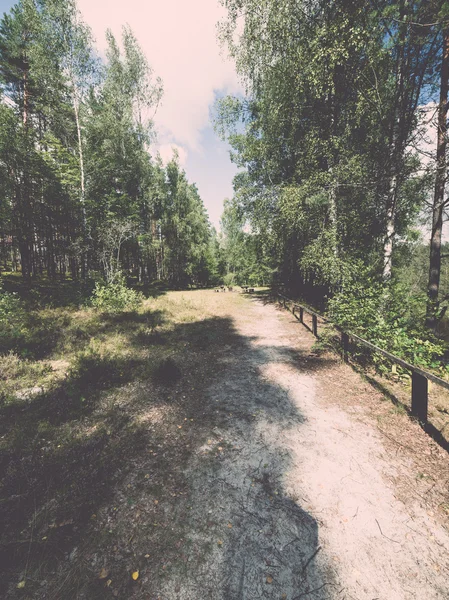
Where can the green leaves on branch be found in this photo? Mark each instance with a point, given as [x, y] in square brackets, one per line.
[389, 317]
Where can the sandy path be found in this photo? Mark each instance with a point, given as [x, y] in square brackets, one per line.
[292, 495]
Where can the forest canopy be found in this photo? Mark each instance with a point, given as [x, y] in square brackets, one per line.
[80, 192]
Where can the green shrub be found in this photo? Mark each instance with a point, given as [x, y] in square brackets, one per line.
[390, 317]
[229, 279]
[115, 297]
[13, 322]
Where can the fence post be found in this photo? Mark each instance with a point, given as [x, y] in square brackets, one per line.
[315, 325]
[345, 345]
[301, 314]
[420, 397]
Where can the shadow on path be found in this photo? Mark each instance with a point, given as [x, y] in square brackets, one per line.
[111, 473]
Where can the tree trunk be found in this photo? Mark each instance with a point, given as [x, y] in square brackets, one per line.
[84, 266]
[390, 228]
[438, 199]
[396, 148]
[24, 212]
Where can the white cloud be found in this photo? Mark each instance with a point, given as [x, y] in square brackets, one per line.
[179, 40]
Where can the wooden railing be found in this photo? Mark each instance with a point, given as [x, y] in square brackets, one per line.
[420, 378]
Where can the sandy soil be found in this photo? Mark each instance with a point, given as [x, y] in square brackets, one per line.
[298, 493]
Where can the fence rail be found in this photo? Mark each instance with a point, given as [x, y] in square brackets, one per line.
[420, 378]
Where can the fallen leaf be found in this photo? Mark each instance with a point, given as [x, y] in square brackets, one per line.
[220, 542]
[229, 525]
[108, 582]
[269, 579]
[156, 501]
[21, 585]
[135, 575]
[103, 573]
[147, 556]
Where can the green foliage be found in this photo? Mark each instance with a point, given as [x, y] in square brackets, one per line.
[115, 297]
[321, 262]
[244, 253]
[13, 322]
[229, 279]
[389, 317]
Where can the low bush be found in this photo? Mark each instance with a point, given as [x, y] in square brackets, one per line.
[115, 297]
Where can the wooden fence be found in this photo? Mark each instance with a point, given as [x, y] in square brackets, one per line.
[420, 378]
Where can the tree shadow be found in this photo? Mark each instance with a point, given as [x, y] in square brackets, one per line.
[114, 471]
[49, 329]
[153, 289]
[436, 434]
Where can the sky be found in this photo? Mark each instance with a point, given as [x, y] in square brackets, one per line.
[179, 40]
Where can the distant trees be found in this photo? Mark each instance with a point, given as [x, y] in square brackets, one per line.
[243, 252]
[74, 157]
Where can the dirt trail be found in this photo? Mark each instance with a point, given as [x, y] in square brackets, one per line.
[294, 495]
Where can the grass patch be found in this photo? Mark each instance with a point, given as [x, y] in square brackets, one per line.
[97, 417]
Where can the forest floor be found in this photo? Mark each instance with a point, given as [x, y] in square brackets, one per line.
[204, 449]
